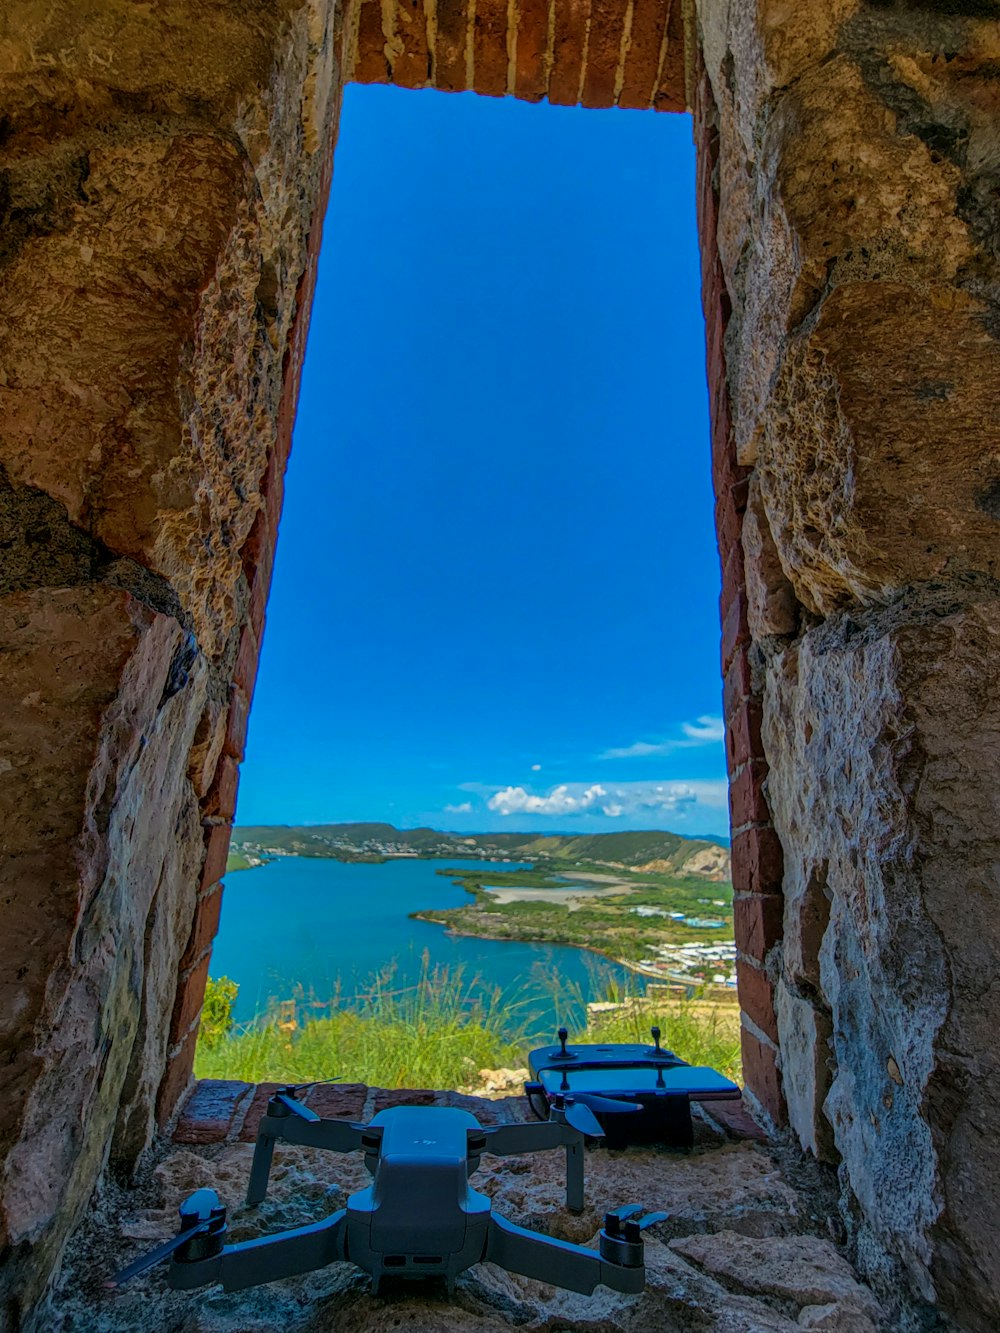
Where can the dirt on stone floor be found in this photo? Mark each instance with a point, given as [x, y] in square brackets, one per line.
[751, 1245]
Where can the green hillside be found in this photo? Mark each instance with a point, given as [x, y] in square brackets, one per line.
[375, 841]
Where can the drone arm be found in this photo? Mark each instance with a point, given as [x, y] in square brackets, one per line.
[557, 1261]
[257, 1261]
[506, 1140]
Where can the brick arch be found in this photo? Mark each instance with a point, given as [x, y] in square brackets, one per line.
[626, 53]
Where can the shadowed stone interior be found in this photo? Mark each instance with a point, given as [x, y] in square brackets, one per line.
[163, 175]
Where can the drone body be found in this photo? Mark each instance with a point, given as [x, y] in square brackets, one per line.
[420, 1216]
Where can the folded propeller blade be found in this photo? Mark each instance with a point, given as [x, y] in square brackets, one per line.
[582, 1118]
[296, 1107]
[153, 1258]
[605, 1105]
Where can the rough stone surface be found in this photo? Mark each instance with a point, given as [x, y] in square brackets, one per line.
[161, 170]
[802, 1269]
[855, 218]
[741, 1193]
[99, 868]
[906, 711]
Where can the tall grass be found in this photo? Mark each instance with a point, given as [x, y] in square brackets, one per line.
[441, 1032]
[702, 1033]
[703, 1029]
[436, 1034]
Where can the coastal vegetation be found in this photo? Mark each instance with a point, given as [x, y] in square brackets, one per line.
[665, 852]
[443, 1032]
[628, 916]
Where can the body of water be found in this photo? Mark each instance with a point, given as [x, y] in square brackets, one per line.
[313, 923]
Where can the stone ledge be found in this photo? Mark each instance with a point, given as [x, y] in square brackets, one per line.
[227, 1110]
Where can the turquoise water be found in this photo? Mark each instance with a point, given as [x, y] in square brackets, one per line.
[311, 922]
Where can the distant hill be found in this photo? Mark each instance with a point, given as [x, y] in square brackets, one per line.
[652, 850]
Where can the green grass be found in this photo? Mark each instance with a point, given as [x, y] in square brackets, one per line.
[700, 1032]
[440, 1033]
[437, 1034]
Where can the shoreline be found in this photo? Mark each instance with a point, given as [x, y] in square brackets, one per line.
[636, 968]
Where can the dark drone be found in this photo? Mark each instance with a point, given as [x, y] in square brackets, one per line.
[419, 1218]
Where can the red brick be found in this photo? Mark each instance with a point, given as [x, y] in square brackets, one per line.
[190, 998]
[758, 861]
[642, 63]
[220, 803]
[210, 1111]
[735, 628]
[489, 48]
[761, 1075]
[337, 1101]
[258, 539]
[728, 524]
[176, 1079]
[743, 738]
[735, 1119]
[272, 488]
[389, 1097]
[411, 68]
[758, 923]
[245, 670]
[256, 1109]
[607, 20]
[736, 685]
[371, 64]
[236, 724]
[756, 996]
[733, 580]
[204, 927]
[259, 589]
[449, 45]
[532, 49]
[670, 95]
[568, 45]
[747, 802]
[216, 854]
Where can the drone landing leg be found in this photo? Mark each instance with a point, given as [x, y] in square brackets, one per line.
[574, 1177]
[260, 1170]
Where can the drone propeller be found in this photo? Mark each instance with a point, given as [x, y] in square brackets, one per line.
[606, 1105]
[288, 1098]
[201, 1215]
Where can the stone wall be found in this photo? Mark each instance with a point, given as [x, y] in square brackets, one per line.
[853, 210]
[162, 173]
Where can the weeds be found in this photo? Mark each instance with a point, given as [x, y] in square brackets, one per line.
[441, 1032]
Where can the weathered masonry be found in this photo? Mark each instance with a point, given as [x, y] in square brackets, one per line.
[163, 175]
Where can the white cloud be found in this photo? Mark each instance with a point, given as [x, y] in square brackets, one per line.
[613, 800]
[536, 768]
[705, 730]
[560, 800]
[464, 809]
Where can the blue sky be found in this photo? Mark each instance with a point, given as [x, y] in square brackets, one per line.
[495, 595]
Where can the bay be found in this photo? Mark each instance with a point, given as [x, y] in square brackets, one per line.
[312, 925]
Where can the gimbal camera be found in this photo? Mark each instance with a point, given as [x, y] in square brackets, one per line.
[419, 1218]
